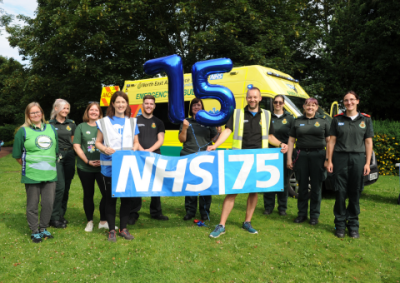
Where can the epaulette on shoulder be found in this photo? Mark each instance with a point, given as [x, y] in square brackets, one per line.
[339, 114]
[366, 115]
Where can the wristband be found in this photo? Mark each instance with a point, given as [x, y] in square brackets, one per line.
[88, 161]
[280, 144]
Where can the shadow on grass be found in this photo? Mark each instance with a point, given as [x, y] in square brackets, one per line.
[379, 198]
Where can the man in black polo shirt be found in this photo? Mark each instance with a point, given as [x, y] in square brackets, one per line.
[151, 138]
[252, 138]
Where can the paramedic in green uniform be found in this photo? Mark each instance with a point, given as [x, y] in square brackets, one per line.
[348, 158]
[312, 133]
[282, 121]
[195, 138]
[35, 148]
[66, 167]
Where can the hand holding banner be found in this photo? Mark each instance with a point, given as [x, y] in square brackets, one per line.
[141, 174]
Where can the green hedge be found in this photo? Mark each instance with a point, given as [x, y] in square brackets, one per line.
[387, 146]
[7, 132]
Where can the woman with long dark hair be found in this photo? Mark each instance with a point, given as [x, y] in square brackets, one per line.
[348, 158]
[117, 131]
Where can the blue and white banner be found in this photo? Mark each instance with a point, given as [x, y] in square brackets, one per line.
[144, 174]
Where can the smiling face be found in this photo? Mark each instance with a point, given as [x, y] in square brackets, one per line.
[350, 102]
[310, 109]
[148, 106]
[120, 105]
[196, 107]
[35, 115]
[253, 98]
[64, 112]
[278, 104]
[94, 113]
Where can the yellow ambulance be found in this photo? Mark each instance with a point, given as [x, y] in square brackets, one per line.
[271, 83]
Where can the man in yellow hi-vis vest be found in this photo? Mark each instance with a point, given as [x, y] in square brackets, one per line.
[252, 128]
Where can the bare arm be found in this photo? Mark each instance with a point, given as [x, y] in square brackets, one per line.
[275, 142]
[19, 160]
[157, 145]
[330, 145]
[135, 143]
[183, 134]
[368, 153]
[99, 144]
[81, 154]
[289, 163]
[222, 138]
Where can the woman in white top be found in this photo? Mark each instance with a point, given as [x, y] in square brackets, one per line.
[117, 131]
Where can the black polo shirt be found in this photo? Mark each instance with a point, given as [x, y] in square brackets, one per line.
[65, 131]
[282, 126]
[310, 132]
[149, 130]
[351, 134]
[252, 135]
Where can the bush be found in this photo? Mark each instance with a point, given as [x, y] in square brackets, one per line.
[386, 146]
[7, 132]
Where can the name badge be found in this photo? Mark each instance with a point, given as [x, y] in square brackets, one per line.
[301, 125]
[341, 124]
[245, 121]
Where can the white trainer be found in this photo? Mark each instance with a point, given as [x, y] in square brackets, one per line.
[105, 226]
[89, 226]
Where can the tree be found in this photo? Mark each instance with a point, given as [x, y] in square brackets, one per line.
[75, 47]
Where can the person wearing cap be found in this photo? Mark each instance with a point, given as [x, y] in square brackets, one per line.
[282, 122]
[311, 133]
[348, 158]
[257, 132]
[66, 167]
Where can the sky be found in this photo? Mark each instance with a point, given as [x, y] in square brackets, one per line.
[15, 7]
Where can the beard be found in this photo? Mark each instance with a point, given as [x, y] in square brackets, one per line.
[252, 108]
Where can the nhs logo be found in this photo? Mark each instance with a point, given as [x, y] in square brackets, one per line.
[216, 77]
[219, 172]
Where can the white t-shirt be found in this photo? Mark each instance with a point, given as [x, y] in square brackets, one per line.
[353, 117]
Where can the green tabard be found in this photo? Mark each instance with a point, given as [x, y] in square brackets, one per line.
[65, 131]
[310, 133]
[351, 134]
[37, 148]
[85, 135]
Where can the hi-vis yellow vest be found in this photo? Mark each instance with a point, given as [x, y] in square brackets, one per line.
[238, 125]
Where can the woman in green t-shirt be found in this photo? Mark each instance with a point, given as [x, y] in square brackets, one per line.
[35, 148]
[89, 164]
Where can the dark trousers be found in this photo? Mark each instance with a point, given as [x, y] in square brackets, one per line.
[45, 191]
[269, 198]
[204, 205]
[65, 174]
[309, 169]
[87, 180]
[348, 171]
[136, 205]
[111, 204]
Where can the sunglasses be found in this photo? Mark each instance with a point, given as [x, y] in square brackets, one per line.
[278, 102]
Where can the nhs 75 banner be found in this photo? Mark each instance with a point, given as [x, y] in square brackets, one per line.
[145, 174]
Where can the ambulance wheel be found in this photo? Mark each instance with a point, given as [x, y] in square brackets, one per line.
[294, 186]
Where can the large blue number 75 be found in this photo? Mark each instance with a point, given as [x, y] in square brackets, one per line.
[173, 66]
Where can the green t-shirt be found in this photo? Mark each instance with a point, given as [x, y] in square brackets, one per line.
[201, 138]
[351, 134]
[282, 126]
[85, 135]
[20, 151]
[310, 133]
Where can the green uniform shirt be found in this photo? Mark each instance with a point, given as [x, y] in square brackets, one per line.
[282, 126]
[351, 134]
[85, 135]
[19, 151]
[310, 133]
[65, 131]
[203, 135]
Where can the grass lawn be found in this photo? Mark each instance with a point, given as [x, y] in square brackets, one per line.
[179, 251]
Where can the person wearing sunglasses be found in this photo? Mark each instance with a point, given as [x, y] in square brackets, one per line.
[282, 121]
[311, 134]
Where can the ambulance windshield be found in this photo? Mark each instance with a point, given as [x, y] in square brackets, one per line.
[296, 103]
